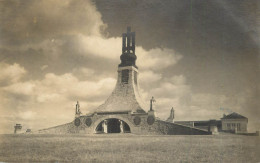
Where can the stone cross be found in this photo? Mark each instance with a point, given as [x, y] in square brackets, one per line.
[128, 41]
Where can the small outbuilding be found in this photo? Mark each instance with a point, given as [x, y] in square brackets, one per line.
[234, 122]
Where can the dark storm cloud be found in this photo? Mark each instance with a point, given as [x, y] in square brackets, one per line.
[60, 58]
[179, 24]
[32, 20]
[37, 33]
[219, 41]
[215, 38]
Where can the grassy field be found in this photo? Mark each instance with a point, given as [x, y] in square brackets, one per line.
[129, 148]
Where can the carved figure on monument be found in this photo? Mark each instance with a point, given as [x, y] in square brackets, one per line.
[78, 112]
[104, 126]
[121, 126]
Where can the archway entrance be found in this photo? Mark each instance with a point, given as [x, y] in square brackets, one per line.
[113, 125]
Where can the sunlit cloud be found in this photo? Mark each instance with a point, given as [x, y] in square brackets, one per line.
[10, 73]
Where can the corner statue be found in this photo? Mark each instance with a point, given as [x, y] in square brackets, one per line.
[151, 103]
[171, 117]
[78, 112]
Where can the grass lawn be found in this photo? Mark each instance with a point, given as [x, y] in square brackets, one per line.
[129, 148]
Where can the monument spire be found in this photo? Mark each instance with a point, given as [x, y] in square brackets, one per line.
[126, 96]
[128, 56]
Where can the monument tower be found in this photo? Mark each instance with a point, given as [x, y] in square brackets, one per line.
[126, 96]
[123, 111]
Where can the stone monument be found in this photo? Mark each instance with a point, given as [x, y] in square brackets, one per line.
[124, 111]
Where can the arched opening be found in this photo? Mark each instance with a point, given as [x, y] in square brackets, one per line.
[113, 125]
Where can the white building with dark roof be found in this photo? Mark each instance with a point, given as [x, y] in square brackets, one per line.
[234, 122]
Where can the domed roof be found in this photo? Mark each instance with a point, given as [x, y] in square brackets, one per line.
[127, 59]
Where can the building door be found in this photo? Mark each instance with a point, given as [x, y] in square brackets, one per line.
[112, 125]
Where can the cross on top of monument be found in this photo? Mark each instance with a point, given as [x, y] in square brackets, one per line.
[128, 41]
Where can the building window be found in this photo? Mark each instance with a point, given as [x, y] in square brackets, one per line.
[233, 126]
[238, 127]
[228, 126]
[125, 76]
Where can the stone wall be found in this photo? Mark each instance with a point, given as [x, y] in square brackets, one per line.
[178, 129]
[61, 129]
[158, 127]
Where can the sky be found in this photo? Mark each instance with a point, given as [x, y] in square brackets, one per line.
[199, 57]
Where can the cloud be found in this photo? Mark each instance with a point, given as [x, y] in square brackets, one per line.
[27, 115]
[44, 67]
[10, 73]
[111, 47]
[67, 85]
[172, 88]
[84, 71]
[51, 29]
[149, 77]
[55, 34]
[156, 58]
[52, 98]
[61, 87]
[100, 46]
[22, 88]
[46, 18]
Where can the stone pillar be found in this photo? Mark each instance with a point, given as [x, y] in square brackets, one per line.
[128, 38]
[121, 126]
[104, 125]
[123, 43]
[133, 42]
[212, 127]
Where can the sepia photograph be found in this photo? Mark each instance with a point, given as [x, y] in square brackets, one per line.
[133, 81]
